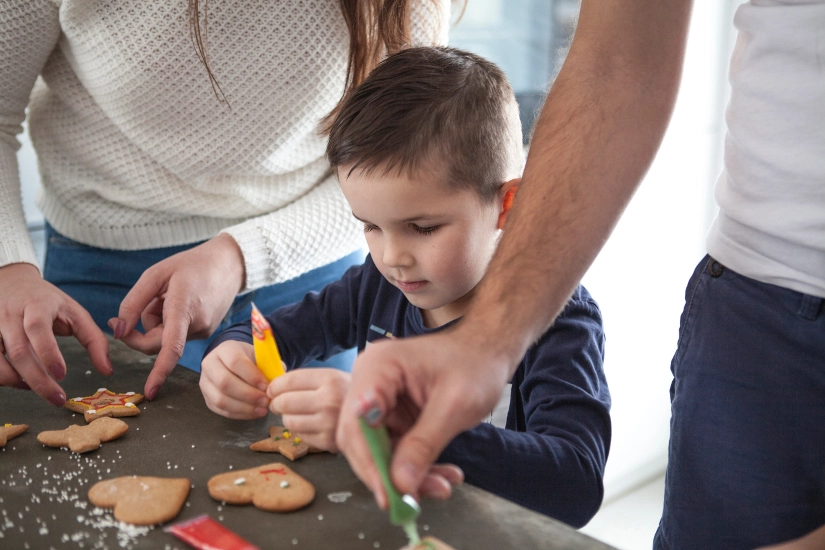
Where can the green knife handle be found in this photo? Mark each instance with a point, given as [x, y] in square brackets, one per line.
[378, 441]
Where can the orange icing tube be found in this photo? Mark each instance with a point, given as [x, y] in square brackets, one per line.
[266, 350]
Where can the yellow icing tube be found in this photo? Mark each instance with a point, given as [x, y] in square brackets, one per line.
[266, 350]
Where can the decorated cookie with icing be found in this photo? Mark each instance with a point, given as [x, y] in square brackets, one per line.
[283, 441]
[10, 431]
[272, 487]
[81, 439]
[141, 500]
[429, 543]
[105, 403]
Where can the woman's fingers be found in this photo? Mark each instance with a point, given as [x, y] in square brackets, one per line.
[22, 358]
[75, 321]
[29, 319]
[37, 326]
[8, 376]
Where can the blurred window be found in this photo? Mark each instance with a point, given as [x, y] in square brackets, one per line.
[528, 39]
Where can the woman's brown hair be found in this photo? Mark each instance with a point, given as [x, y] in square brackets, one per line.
[377, 28]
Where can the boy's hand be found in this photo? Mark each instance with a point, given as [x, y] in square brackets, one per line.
[231, 383]
[309, 401]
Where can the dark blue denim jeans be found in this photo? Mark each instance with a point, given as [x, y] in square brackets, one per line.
[99, 279]
[747, 444]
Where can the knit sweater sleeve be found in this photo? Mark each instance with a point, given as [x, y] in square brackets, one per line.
[29, 30]
[280, 246]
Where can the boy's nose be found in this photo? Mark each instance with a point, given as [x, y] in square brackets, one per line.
[396, 255]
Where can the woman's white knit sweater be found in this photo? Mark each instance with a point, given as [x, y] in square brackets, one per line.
[136, 151]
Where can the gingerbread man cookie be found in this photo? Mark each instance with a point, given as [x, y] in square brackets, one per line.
[429, 543]
[141, 500]
[81, 439]
[10, 431]
[282, 441]
[105, 403]
[272, 487]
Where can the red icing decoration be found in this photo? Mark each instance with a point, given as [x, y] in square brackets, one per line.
[104, 398]
[279, 471]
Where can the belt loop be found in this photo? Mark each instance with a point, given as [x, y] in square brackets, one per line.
[810, 306]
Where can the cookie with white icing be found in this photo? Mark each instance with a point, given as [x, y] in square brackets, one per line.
[272, 487]
[105, 403]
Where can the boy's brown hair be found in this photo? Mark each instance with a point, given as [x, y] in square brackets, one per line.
[432, 104]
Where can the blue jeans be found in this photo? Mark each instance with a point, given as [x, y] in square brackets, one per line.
[98, 279]
[747, 443]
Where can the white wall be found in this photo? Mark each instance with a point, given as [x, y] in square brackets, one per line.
[640, 276]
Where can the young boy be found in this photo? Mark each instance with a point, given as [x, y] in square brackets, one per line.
[428, 154]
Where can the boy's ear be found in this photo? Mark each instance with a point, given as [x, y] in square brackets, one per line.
[507, 194]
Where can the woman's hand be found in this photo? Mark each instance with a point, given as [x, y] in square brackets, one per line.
[231, 384]
[32, 312]
[183, 297]
[309, 401]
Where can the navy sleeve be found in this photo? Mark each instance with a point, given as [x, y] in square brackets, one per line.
[552, 454]
[317, 327]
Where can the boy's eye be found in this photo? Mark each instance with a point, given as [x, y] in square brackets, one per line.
[369, 227]
[426, 230]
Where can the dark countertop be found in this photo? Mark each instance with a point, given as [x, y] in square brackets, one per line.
[43, 490]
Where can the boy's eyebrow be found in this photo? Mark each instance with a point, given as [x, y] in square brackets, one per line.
[418, 218]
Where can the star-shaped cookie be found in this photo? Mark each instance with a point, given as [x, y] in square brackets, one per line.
[10, 431]
[280, 440]
[105, 403]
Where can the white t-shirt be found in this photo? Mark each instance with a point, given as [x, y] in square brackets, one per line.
[771, 194]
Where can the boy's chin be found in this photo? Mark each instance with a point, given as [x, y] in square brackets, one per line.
[421, 302]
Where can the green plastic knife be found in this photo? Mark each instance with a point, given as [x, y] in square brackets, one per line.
[403, 509]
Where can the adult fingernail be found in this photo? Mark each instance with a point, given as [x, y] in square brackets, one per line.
[263, 402]
[381, 499]
[119, 329]
[58, 371]
[407, 474]
[260, 411]
[152, 393]
[263, 386]
[109, 364]
[372, 416]
[366, 407]
[58, 399]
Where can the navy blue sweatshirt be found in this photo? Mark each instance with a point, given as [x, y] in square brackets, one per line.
[550, 457]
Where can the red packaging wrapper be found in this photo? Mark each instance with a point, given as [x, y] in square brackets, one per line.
[205, 533]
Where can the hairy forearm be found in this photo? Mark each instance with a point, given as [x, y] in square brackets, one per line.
[598, 132]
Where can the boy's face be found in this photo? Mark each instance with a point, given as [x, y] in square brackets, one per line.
[431, 241]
